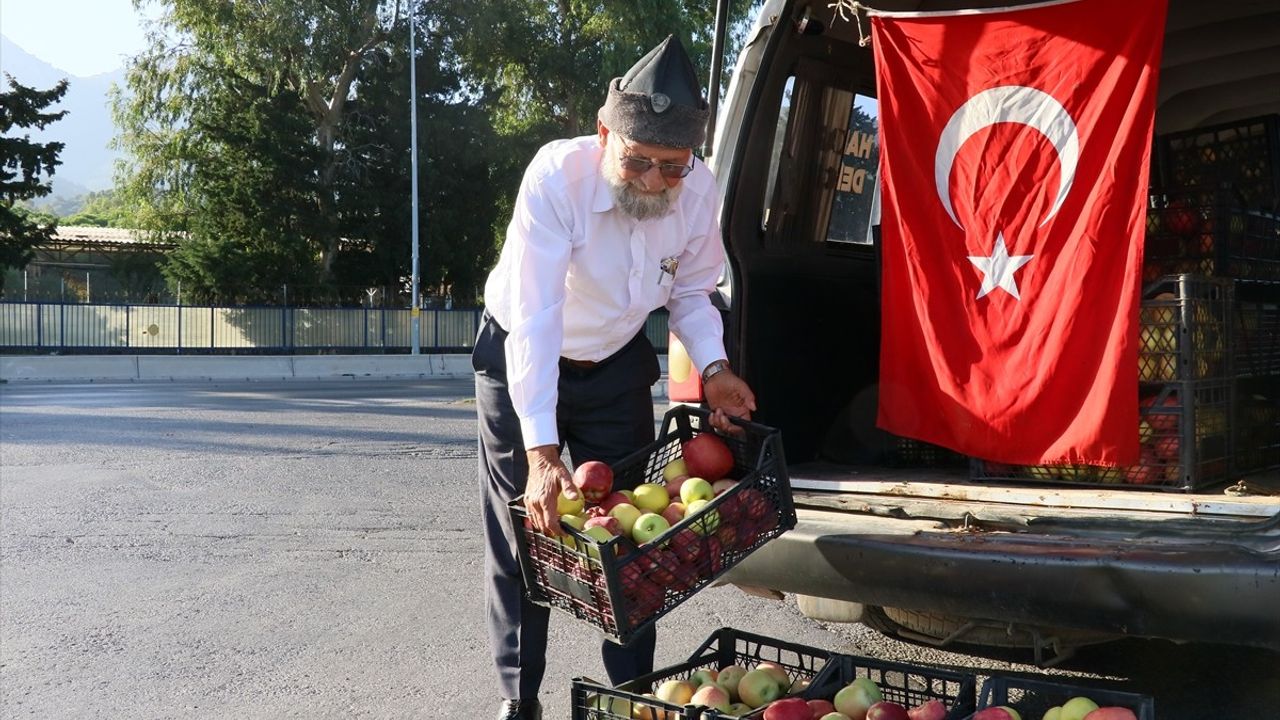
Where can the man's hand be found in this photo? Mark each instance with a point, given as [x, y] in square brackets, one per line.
[548, 477]
[728, 395]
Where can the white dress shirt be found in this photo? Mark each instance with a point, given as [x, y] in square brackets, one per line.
[578, 278]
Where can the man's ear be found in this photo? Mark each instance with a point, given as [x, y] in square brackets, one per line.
[602, 132]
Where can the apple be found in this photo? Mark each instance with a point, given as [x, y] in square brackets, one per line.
[706, 523]
[778, 673]
[1000, 712]
[754, 504]
[594, 480]
[612, 705]
[932, 710]
[577, 522]
[616, 498]
[651, 498]
[695, 488]
[857, 697]
[713, 561]
[674, 512]
[608, 523]
[674, 469]
[788, 709]
[567, 506]
[711, 696]
[626, 514]
[673, 487]
[739, 709]
[728, 535]
[707, 456]
[758, 687]
[687, 545]
[702, 677]
[1077, 707]
[1111, 713]
[723, 485]
[799, 685]
[833, 716]
[647, 527]
[1053, 713]
[885, 710]
[649, 709]
[821, 707]
[729, 678]
[676, 692]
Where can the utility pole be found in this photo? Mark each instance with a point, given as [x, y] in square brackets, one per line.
[415, 312]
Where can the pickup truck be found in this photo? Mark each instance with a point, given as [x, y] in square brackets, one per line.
[890, 533]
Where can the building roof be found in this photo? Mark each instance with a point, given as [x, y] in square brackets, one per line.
[87, 236]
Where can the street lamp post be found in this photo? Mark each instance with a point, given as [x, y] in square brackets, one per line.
[415, 312]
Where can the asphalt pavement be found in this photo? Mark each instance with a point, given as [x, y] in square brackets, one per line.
[312, 549]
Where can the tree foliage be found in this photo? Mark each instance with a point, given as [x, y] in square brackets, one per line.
[25, 168]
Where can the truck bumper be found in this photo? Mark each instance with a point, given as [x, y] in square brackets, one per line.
[1214, 589]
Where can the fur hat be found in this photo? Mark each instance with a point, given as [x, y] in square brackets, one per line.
[659, 100]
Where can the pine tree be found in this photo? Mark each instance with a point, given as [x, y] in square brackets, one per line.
[25, 169]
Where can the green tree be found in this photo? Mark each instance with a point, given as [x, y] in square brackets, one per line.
[25, 169]
[103, 208]
[201, 50]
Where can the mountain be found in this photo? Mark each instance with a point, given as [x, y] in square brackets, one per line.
[87, 128]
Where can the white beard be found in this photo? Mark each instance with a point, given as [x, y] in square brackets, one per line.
[631, 199]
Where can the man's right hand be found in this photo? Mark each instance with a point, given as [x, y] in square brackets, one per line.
[548, 477]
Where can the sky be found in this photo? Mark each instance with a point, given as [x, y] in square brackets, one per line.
[82, 37]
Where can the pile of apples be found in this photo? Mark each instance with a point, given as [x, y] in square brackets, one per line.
[733, 690]
[643, 515]
[859, 700]
[1077, 708]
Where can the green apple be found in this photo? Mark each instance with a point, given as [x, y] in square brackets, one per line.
[702, 677]
[696, 489]
[611, 705]
[647, 527]
[739, 709]
[1053, 713]
[565, 506]
[729, 678]
[1076, 708]
[577, 522]
[627, 514]
[855, 698]
[601, 535]
[708, 523]
[674, 469]
[758, 687]
[651, 497]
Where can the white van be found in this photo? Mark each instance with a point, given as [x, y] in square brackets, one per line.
[901, 535]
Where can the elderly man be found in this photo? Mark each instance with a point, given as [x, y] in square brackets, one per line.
[606, 229]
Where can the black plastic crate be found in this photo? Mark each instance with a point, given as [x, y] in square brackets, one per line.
[591, 700]
[621, 588]
[1255, 333]
[1256, 425]
[909, 452]
[1243, 155]
[903, 683]
[1185, 330]
[1186, 444]
[1033, 698]
[1204, 231]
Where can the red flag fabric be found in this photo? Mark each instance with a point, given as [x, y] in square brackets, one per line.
[1014, 154]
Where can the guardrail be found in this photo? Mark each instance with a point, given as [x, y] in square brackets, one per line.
[90, 327]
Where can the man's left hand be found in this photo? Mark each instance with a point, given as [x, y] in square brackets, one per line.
[728, 395]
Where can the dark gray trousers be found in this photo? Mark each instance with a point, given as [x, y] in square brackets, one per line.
[604, 413]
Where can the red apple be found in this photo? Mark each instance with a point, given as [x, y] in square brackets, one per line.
[674, 512]
[1111, 713]
[820, 708]
[932, 710]
[673, 487]
[723, 485]
[594, 479]
[687, 545]
[1180, 219]
[596, 511]
[788, 709]
[607, 522]
[707, 456]
[613, 500]
[885, 710]
[994, 713]
[753, 503]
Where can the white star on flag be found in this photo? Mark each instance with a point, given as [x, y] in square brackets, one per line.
[997, 270]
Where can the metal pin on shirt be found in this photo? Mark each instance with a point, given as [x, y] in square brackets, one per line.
[668, 267]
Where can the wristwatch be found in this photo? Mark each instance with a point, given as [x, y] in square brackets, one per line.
[714, 368]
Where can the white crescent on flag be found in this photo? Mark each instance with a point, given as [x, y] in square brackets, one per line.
[1012, 104]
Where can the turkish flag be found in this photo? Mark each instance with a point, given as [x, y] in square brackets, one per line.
[1014, 154]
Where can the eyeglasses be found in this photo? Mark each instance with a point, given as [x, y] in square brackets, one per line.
[641, 165]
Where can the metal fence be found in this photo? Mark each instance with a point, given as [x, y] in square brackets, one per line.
[89, 327]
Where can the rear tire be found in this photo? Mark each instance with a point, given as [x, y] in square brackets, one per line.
[942, 630]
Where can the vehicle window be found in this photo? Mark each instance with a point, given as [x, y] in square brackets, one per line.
[849, 156]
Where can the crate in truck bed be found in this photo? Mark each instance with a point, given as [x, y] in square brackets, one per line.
[591, 700]
[620, 587]
[1243, 155]
[1256, 425]
[1185, 437]
[1202, 231]
[1033, 698]
[1184, 330]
